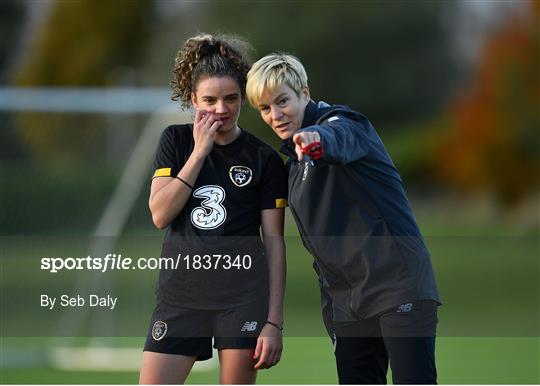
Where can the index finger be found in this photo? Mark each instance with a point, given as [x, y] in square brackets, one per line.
[262, 360]
[199, 115]
[299, 155]
[298, 138]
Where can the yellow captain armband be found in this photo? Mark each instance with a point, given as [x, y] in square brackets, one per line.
[163, 172]
[281, 202]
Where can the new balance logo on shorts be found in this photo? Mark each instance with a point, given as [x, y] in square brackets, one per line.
[405, 307]
[249, 326]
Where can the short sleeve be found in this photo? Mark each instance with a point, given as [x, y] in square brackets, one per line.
[274, 184]
[166, 161]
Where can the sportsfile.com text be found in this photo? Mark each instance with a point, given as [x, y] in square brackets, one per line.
[113, 261]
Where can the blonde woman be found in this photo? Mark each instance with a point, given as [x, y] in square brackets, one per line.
[379, 296]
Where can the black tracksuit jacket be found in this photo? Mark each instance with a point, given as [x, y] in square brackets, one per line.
[355, 220]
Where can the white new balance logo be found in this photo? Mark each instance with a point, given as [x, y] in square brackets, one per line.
[249, 326]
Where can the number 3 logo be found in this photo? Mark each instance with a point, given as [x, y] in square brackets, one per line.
[211, 213]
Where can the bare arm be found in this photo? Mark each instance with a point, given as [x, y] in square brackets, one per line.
[269, 344]
[272, 224]
[168, 195]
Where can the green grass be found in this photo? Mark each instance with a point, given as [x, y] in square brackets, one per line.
[52, 376]
[488, 326]
[310, 361]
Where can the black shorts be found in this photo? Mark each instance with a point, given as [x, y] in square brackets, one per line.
[185, 331]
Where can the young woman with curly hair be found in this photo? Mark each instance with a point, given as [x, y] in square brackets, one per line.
[215, 186]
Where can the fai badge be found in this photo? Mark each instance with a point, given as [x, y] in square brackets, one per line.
[240, 175]
[159, 330]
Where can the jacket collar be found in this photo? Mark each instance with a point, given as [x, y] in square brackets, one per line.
[287, 148]
[310, 117]
[310, 114]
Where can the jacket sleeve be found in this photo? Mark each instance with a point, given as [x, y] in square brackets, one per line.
[343, 139]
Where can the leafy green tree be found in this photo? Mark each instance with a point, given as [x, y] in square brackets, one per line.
[388, 59]
[84, 43]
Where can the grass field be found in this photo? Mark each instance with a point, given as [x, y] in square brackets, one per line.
[488, 326]
[310, 361]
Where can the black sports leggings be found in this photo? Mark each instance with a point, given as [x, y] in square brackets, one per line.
[405, 337]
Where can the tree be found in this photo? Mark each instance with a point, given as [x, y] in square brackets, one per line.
[492, 141]
[390, 60]
[84, 43]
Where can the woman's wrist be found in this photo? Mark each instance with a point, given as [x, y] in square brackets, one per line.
[279, 326]
[198, 154]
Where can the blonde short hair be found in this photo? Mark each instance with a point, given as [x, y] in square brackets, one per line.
[271, 72]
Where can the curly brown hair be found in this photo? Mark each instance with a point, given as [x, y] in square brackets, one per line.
[207, 55]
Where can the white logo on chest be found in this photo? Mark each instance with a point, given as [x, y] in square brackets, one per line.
[240, 175]
[211, 213]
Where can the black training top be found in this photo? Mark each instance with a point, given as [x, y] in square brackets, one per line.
[214, 243]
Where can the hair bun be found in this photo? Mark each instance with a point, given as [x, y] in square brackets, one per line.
[208, 55]
[209, 48]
